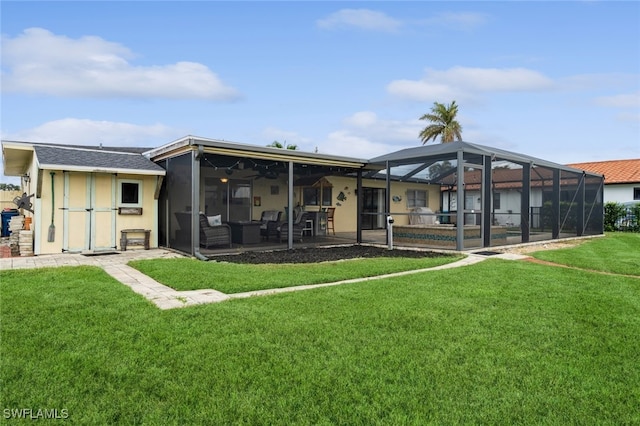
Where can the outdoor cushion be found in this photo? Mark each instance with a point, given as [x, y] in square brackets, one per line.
[269, 215]
[214, 220]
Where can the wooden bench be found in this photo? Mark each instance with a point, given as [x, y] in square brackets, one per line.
[126, 240]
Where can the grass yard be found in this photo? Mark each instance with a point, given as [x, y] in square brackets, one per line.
[500, 342]
[617, 252]
[191, 274]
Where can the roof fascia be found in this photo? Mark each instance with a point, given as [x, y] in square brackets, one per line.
[101, 170]
[168, 150]
[214, 146]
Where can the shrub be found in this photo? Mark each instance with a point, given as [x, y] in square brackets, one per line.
[622, 217]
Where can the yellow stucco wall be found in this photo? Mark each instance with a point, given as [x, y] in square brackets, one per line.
[345, 219]
[345, 214]
[148, 219]
[43, 210]
[269, 201]
[77, 225]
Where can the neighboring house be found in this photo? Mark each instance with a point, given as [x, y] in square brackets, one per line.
[506, 193]
[621, 178]
[90, 194]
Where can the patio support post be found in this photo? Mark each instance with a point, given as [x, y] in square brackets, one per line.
[555, 205]
[387, 200]
[525, 203]
[290, 204]
[460, 202]
[580, 207]
[487, 199]
[195, 202]
[359, 206]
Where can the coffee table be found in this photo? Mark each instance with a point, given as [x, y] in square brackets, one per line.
[245, 232]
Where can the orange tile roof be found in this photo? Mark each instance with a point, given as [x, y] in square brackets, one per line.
[614, 171]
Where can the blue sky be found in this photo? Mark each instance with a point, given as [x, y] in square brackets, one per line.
[556, 80]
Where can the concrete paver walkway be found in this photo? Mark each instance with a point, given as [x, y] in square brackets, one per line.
[167, 298]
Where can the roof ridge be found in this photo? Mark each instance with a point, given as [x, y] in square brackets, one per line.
[90, 149]
[604, 161]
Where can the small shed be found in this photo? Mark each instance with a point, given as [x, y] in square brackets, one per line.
[83, 197]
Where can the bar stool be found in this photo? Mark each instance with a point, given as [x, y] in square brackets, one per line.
[330, 213]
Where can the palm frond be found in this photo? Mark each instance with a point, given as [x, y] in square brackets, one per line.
[444, 124]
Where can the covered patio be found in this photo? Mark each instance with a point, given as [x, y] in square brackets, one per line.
[234, 185]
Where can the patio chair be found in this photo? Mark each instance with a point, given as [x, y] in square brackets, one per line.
[299, 226]
[219, 235]
[268, 222]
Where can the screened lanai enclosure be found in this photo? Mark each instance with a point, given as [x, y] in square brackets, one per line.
[488, 197]
[223, 196]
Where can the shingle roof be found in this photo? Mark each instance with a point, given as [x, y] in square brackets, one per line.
[98, 159]
[614, 171]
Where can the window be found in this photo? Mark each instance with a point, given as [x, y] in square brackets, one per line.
[417, 198]
[130, 193]
[636, 193]
[311, 196]
[496, 201]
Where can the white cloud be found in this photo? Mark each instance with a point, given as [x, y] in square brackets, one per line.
[40, 62]
[624, 100]
[466, 83]
[365, 135]
[343, 142]
[459, 21]
[75, 131]
[422, 90]
[363, 19]
[286, 137]
[629, 117]
[362, 119]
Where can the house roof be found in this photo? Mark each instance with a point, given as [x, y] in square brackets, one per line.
[614, 171]
[17, 156]
[221, 147]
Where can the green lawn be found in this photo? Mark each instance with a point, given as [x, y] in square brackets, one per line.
[617, 252]
[191, 274]
[500, 342]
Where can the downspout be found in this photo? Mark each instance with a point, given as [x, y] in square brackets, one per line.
[195, 202]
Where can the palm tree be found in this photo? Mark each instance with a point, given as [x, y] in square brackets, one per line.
[444, 124]
[276, 144]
